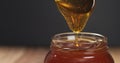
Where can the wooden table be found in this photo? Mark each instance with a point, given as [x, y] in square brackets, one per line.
[35, 54]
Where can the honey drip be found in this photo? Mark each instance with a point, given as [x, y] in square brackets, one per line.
[76, 13]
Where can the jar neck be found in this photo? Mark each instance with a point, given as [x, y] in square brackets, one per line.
[85, 41]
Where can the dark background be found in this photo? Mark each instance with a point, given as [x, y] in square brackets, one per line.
[34, 22]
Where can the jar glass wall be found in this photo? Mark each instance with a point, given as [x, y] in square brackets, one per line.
[92, 48]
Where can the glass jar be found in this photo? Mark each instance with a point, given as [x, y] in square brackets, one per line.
[92, 48]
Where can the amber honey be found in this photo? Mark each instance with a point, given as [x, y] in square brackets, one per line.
[76, 12]
[93, 49]
[77, 46]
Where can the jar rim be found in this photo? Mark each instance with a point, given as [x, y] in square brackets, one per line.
[59, 35]
[86, 40]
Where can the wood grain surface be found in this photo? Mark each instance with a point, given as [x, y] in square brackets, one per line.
[35, 54]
